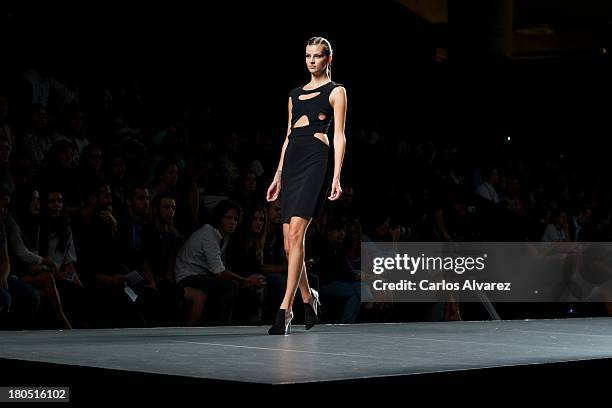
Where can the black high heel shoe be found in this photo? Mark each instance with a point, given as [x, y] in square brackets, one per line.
[311, 310]
[282, 323]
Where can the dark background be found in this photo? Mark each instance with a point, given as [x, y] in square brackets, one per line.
[240, 61]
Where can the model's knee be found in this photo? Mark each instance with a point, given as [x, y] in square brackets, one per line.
[296, 238]
[287, 249]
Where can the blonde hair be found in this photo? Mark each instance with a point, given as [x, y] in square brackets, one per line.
[327, 49]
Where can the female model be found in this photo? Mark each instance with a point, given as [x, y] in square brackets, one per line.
[305, 166]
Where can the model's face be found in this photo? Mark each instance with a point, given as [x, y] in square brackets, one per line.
[229, 221]
[258, 222]
[316, 60]
[167, 209]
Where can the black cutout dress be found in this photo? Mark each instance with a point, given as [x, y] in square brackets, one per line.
[308, 163]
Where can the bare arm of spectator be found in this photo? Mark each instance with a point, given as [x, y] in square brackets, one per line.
[212, 254]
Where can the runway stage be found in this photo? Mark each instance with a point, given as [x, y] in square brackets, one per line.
[145, 363]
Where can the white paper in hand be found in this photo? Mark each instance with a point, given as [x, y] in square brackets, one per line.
[130, 293]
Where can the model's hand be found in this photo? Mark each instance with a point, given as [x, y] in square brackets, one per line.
[274, 189]
[336, 190]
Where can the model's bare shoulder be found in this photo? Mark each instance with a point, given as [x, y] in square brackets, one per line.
[337, 94]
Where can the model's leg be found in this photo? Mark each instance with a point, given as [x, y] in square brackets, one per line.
[296, 271]
[294, 234]
[303, 285]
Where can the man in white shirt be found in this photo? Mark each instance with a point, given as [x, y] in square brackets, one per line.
[200, 264]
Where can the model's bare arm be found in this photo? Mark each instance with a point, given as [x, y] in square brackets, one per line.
[338, 102]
